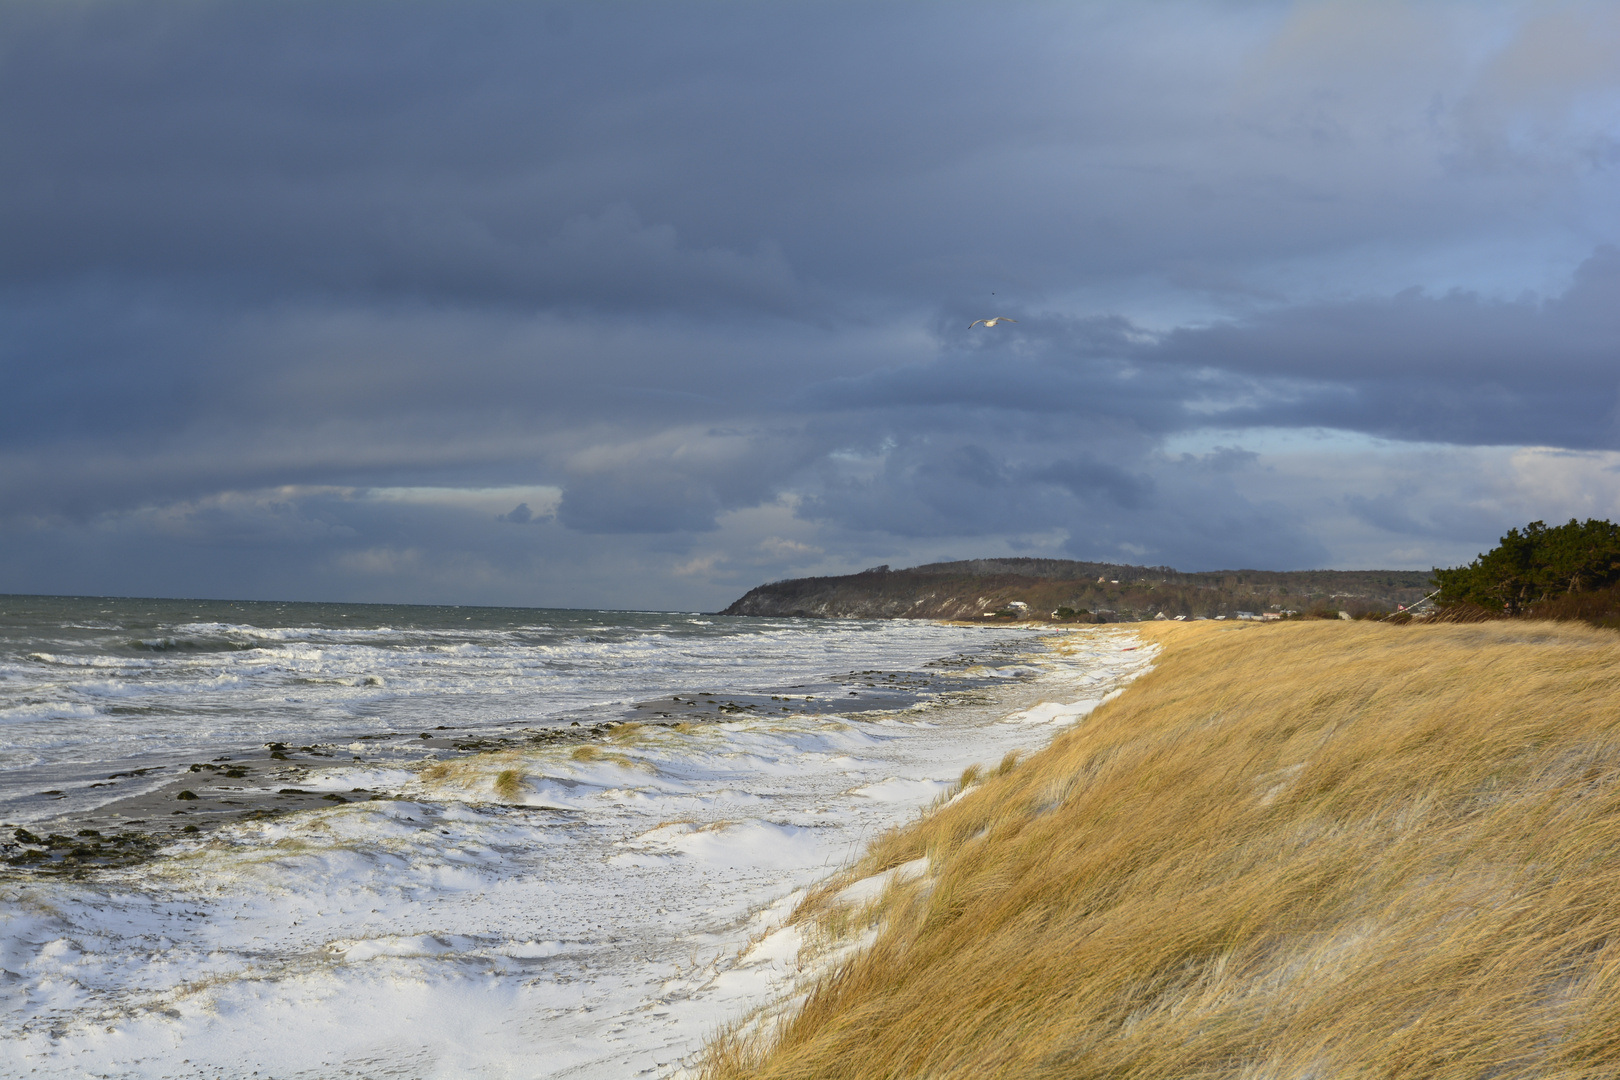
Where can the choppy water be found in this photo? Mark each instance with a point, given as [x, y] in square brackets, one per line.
[91, 687]
[584, 907]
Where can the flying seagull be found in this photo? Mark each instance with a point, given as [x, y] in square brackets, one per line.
[990, 322]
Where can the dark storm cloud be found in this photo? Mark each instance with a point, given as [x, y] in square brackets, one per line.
[625, 155]
[680, 480]
[1087, 476]
[1184, 511]
[684, 287]
[619, 155]
[1457, 367]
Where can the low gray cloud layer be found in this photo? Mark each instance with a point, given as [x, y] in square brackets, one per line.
[638, 304]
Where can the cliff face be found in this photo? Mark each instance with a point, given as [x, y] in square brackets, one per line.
[978, 588]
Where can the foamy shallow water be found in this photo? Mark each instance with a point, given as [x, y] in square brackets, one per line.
[91, 690]
[596, 920]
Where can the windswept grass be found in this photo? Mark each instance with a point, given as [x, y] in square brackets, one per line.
[1307, 850]
[509, 784]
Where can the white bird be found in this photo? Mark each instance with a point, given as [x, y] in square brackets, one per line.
[990, 322]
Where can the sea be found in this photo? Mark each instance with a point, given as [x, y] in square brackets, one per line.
[249, 839]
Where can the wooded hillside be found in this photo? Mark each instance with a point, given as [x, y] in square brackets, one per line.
[1089, 591]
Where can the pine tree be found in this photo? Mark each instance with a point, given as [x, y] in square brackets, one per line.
[1537, 564]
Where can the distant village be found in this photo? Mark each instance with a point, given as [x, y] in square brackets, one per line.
[1020, 609]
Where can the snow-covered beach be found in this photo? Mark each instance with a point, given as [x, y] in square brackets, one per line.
[592, 909]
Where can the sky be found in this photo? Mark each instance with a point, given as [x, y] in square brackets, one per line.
[641, 304]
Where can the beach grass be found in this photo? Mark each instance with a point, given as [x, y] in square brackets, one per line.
[1304, 850]
[509, 784]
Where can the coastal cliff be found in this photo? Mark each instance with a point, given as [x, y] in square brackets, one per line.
[981, 589]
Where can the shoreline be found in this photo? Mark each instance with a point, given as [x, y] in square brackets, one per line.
[614, 901]
[277, 777]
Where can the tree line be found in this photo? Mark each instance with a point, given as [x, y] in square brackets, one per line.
[1539, 570]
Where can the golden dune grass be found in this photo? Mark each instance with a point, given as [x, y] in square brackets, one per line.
[1305, 850]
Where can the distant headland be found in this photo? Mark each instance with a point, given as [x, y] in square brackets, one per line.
[1062, 590]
